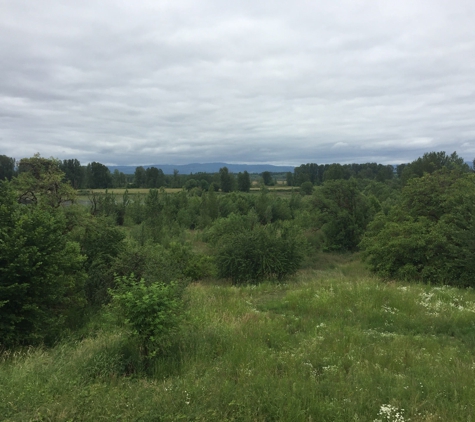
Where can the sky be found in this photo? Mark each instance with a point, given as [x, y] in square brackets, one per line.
[197, 81]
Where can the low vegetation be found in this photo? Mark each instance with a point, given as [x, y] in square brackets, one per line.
[332, 343]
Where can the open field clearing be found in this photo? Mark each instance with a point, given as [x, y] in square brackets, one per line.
[144, 191]
[333, 343]
[121, 191]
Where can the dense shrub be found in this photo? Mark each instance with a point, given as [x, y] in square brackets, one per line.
[41, 274]
[231, 225]
[430, 234]
[259, 253]
[158, 263]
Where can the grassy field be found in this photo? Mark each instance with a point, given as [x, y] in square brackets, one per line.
[121, 191]
[331, 344]
[144, 191]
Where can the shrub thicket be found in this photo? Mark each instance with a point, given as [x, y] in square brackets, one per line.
[41, 275]
[262, 252]
[430, 234]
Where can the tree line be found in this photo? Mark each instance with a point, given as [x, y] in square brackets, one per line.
[96, 175]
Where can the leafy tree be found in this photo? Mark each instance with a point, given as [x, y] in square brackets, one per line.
[244, 181]
[306, 188]
[335, 172]
[139, 177]
[41, 273]
[154, 178]
[73, 172]
[384, 173]
[209, 209]
[204, 184]
[343, 214]
[214, 186]
[267, 178]
[226, 179]
[191, 184]
[430, 234]
[431, 162]
[263, 206]
[176, 181]
[118, 179]
[309, 172]
[99, 176]
[100, 243]
[289, 177]
[7, 167]
[41, 182]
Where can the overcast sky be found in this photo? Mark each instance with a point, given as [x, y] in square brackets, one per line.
[281, 82]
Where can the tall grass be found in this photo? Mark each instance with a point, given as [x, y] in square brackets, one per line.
[331, 344]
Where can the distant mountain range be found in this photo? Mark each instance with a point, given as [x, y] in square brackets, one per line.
[207, 168]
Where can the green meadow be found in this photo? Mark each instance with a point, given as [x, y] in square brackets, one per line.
[332, 343]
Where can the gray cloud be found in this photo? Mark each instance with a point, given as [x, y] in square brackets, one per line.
[200, 81]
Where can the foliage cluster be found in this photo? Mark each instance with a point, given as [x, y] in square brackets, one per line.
[430, 234]
[262, 252]
[153, 311]
[41, 272]
[343, 213]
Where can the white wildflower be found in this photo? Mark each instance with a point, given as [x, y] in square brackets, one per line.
[388, 413]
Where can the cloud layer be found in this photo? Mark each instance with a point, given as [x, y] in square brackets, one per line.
[205, 80]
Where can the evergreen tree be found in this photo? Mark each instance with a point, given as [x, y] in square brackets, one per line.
[41, 272]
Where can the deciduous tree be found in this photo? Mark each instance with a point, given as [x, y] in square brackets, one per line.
[41, 181]
[430, 234]
[244, 181]
[226, 180]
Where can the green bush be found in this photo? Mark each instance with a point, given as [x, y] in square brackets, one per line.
[263, 252]
[430, 234]
[199, 267]
[306, 188]
[152, 310]
[233, 224]
[158, 263]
